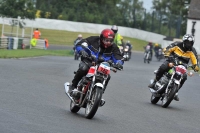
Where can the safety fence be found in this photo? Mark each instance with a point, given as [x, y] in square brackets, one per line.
[21, 43]
[17, 35]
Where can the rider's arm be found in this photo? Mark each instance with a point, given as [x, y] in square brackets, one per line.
[193, 59]
[79, 47]
[196, 55]
[169, 51]
[116, 56]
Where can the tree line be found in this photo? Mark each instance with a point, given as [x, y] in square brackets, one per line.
[167, 17]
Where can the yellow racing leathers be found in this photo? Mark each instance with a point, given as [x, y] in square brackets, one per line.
[117, 39]
[183, 55]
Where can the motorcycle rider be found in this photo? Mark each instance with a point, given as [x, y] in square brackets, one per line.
[102, 47]
[130, 47]
[79, 38]
[156, 48]
[117, 39]
[183, 51]
[149, 46]
[176, 43]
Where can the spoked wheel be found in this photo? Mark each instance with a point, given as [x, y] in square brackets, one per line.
[154, 99]
[169, 96]
[93, 103]
[145, 56]
[74, 108]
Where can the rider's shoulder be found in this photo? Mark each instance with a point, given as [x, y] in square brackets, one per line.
[176, 43]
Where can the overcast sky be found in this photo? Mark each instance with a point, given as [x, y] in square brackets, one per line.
[147, 4]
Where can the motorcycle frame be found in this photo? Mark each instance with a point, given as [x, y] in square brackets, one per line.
[172, 79]
[91, 87]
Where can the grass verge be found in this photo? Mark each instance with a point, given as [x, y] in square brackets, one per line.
[64, 37]
[4, 53]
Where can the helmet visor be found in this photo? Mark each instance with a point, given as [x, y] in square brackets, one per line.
[107, 40]
[189, 43]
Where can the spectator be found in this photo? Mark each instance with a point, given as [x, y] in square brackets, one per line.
[36, 34]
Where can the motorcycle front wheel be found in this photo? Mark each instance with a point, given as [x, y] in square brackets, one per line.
[154, 99]
[93, 103]
[169, 96]
[74, 108]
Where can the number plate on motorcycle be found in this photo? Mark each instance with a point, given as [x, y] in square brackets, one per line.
[91, 70]
[104, 69]
[181, 69]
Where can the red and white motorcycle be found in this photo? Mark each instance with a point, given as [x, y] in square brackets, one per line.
[90, 88]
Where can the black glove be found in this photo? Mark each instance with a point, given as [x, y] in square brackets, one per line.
[100, 59]
[84, 54]
[119, 66]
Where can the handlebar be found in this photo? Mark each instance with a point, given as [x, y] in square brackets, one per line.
[92, 58]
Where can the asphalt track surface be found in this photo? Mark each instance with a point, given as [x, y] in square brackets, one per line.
[32, 100]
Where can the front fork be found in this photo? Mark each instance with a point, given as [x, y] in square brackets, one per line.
[175, 81]
[92, 86]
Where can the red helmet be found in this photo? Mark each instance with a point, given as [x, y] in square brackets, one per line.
[106, 38]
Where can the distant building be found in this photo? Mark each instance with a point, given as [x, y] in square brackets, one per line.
[193, 22]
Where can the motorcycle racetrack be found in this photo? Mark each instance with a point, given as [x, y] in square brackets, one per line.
[33, 100]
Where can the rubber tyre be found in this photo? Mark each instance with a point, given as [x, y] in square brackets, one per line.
[154, 100]
[170, 96]
[91, 107]
[74, 108]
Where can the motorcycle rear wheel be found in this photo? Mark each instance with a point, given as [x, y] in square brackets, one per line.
[93, 103]
[170, 96]
[154, 99]
[74, 108]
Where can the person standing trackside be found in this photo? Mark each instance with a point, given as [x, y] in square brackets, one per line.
[36, 34]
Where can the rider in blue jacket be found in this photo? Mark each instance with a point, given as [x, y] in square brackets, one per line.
[102, 47]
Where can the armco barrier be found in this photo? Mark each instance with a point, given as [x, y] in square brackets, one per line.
[3, 42]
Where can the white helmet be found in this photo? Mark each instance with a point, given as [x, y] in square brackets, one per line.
[188, 41]
[114, 28]
[79, 36]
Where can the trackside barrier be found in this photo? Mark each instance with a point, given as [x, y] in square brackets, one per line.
[14, 43]
[3, 42]
[37, 44]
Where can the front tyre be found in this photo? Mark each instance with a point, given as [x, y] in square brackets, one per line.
[74, 108]
[169, 96]
[93, 103]
[154, 99]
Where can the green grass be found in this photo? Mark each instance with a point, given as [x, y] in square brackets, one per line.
[33, 53]
[55, 37]
[63, 37]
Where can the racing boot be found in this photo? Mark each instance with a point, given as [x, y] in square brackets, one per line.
[176, 97]
[152, 84]
[102, 102]
[71, 87]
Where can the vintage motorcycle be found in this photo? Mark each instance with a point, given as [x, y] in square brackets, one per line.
[147, 55]
[159, 54]
[76, 55]
[126, 53]
[168, 85]
[91, 87]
